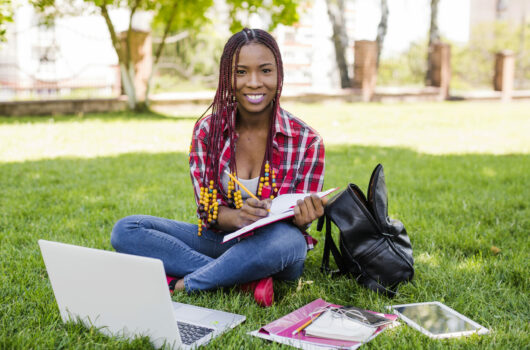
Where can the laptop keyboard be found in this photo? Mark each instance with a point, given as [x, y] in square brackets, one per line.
[190, 333]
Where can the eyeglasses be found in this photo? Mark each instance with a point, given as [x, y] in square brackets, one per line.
[354, 314]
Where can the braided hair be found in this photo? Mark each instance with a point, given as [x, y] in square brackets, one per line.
[224, 105]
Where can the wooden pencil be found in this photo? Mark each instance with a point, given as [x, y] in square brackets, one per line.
[299, 329]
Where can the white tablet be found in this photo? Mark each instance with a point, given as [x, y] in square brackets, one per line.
[437, 320]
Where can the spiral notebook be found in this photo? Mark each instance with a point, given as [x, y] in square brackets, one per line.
[345, 324]
[282, 329]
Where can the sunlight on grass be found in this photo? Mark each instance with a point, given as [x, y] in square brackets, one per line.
[431, 128]
[92, 138]
[474, 264]
[428, 258]
[489, 172]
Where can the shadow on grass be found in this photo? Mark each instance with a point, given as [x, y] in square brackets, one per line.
[455, 208]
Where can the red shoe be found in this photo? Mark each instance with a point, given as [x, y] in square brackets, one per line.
[263, 291]
[248, 287]
[171, 281]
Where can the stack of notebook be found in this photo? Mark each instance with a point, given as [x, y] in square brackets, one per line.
[320, 324]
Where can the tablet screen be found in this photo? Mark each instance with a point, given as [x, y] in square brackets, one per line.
[436, 319]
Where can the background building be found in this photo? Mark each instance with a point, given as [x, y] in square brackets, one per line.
[307, 50]
[74, 57]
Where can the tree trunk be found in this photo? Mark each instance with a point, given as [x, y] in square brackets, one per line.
[124, 58]
[127, 80]
[500, 9]
[434, 37]
[381, 29]
[521, 54]
[340, 39]
[159, 51]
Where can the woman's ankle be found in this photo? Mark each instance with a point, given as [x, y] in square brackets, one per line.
[180, 285]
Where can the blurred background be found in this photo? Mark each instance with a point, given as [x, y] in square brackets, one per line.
[142, 53]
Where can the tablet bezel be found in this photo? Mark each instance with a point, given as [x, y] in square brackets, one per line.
[480, 329]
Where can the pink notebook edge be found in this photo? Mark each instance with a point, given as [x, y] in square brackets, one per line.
[308, 308]
[280, 217]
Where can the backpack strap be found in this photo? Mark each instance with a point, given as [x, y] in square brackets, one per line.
[329, 246]
[324, 267]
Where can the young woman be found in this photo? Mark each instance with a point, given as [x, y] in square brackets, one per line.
[271, 152]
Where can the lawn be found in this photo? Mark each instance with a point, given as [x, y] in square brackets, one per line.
[457, 175]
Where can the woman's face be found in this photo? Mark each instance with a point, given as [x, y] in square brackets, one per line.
[257, 79]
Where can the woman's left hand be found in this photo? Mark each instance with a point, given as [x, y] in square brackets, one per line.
[308, 210]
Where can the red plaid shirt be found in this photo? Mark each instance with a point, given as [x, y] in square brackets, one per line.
[297, 159]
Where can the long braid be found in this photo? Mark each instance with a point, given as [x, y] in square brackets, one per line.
[224, 105]
[269, 41]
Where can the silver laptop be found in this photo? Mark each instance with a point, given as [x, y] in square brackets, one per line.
[127, 296]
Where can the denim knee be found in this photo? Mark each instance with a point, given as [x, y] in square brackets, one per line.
[122, 230]
[285, 243]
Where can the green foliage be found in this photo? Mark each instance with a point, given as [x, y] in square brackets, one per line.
[6, 16]
[472, 64]
[280, 11]
[194, 58]
[455, 208]
[50, 10]
[197, 56]
[406, 69]
[190, 14]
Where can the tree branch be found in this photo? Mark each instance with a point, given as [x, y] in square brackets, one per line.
[166, 32]
[114, 38]
[129, 31]
[434, 33]
[381, 29]
[339, 38]
[434, 38]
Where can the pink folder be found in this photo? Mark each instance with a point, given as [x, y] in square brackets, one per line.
[282, 329]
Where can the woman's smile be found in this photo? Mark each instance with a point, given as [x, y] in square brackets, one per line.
[255, 98]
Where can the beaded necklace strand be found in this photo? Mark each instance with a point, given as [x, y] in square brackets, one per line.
[209, 201]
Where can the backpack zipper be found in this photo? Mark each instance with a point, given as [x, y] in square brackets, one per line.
[371, 190]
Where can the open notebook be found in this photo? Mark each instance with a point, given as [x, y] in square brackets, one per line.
[282, 329]
[281, 208]
[346, 323]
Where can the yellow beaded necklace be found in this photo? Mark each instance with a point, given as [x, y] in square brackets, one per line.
[209, 203]
[208, 206]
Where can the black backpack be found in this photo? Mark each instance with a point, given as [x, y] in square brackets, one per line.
[374, 249]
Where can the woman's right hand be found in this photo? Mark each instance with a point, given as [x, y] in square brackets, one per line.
[252, 210]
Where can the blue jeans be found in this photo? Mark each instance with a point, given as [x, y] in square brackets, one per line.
[205, 262]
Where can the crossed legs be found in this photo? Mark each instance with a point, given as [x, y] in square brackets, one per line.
[205, 262]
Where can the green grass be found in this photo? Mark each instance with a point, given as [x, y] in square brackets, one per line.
[456, 206]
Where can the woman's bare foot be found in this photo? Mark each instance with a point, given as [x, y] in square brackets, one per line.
[180, 284]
